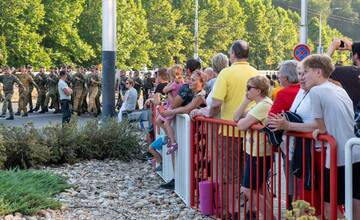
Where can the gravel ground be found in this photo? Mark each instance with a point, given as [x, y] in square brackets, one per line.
[114, 190]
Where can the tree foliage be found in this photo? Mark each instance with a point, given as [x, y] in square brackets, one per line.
[151, 33]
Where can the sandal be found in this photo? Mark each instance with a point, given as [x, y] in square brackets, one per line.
[173, 147]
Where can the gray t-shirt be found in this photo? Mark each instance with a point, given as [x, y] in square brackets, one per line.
[130, 99]
[333, 104]
[61, 86]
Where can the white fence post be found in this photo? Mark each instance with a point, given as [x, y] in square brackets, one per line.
[349, 177]
[182, 159]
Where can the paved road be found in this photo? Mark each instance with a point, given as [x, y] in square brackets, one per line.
[38, 119]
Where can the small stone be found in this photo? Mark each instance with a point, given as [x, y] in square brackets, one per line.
[8, 217]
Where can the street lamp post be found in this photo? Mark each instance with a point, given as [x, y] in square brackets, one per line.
[303, 24]
[320, 48]
[108, 57]
[196, 30]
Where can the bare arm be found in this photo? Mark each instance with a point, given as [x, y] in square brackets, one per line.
[195, 103]
[279, 122]
[244, 123]
[215, 107]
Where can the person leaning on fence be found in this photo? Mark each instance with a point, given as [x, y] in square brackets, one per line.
[172, 90]
[218, 62]
[229, 91]
[333, 111]
[257, 89]
[65, 97]
[280, 122]
[197, 100]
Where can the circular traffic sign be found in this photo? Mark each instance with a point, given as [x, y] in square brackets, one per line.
[301, 51]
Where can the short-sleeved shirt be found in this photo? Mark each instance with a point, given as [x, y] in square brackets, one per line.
[130, 99]
[285, 98]
[348, 76]
[230, 88]
[186, 94]
[159, 88]
[332, 104]
[61, 86]
[260, 112]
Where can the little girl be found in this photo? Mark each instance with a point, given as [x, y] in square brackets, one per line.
[171, 90]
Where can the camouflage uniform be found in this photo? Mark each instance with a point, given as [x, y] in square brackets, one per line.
[8, 81]
[31, 88]
[79, 89]
[26, 80]
[94, 81]
[41, 81]
[52, 85]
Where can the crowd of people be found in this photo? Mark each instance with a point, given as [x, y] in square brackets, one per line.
[85, 84]
[308, 96]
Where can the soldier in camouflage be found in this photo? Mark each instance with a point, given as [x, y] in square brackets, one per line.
[94, 82]
[52, 85]
[41, 81]
[79, 89]
[30, 71]
[8, 80]
[26, 80]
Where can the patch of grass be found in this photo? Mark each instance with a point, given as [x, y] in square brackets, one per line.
[28, 191]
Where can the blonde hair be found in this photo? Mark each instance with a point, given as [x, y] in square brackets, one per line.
[175, 70]
[130, 81]
[262, 83]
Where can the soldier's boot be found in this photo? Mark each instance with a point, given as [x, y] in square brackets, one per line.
[17, 113]
[11, 117]
[25, 115]
[57, 111]
[36, 109]
[31, 111]
[2, 116]
[43, 110]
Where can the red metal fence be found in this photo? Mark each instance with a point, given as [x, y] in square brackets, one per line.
[220, 154]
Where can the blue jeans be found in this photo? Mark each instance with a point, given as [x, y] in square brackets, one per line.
[65, 110]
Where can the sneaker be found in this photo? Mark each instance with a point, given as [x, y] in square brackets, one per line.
[158, 168]
[168, 185]
[172, 148]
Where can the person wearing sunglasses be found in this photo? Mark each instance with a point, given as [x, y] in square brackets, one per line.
[130, 99]
[257, 90]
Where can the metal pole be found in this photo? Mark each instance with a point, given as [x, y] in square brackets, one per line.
[320, 49]
[108, 57]
[349, 177]
[303, 24]
[196, 30]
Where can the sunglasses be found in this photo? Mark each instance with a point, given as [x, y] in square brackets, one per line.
[248, 87]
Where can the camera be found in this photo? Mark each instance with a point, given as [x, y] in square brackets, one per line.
[342, 44]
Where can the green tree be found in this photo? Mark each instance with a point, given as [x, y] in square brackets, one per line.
[133, 44]
[90, 28]
[62, 38]
[166, 32]
[220, 23]
[3, 51]
[19, 28]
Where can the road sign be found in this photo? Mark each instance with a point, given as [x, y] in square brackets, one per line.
[301, 51]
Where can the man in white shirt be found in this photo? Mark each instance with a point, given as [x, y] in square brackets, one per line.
[65, 97]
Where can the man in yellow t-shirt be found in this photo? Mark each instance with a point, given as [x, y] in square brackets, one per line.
[230, 86]
[229, 91]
